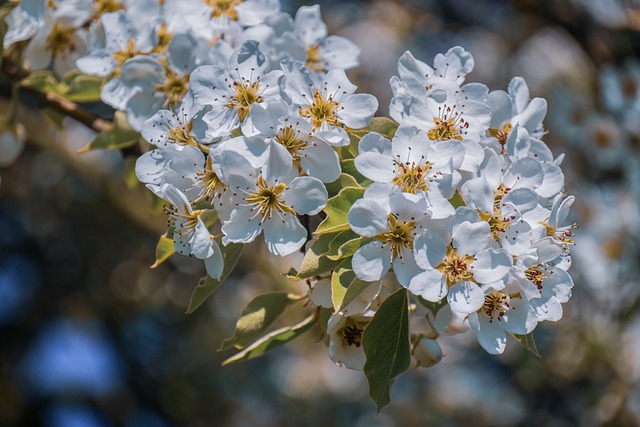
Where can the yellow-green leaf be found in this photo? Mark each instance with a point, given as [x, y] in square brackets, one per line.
[121, 136]
[345, 180]
[527, 342]
[164, 249]
[386, 346]
[315, 261]
[79, 87]
[207, 286]
[337, 210]
[257, 316]
[273, 340]
[341, 278]
[42, 81]
[350, 247]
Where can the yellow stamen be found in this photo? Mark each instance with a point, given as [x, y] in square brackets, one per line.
[411, 177]
[246, 95]
[268, 199]
[321, 111]
[399, 235]
[456, 268]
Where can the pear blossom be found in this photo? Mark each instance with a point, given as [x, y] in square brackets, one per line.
[391, 219]
[459, 266]
[191, 236]
[268, 200]
[328, 102]
[233, 92]
[345, 339]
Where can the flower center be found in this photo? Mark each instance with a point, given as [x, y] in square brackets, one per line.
[411, 177]
[499, 224]
[246, 95]
[224, 7]
[175, 87]
[496, 305]
[321, 111]
[287, 137]
[181, 135]
[164, 38]
[101, 7]
[268, 199]
[455, 267]
[352, 332]
[210, 181]
[60, 39]
[448, 125]
[399, 235]
[184, 221]
[502, 135]
[536, 275]
[313, 59]
[121, 56]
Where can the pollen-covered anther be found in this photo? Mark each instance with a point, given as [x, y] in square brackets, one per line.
[352, 332]
[321, 111]
[411, 177]
[536, 275]
[212, 184]
[450, 124]
[60, 39]
[456, 268]
[268, 200]
[174, 87]
[313, 59]
[246, 94]
[399, 235]
[288, 137]
[501, 135]
[496, 305]
[224, 7]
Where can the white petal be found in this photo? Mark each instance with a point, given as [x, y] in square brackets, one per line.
[368, 217]
[284, 236]
[465, 297]
[489, 332]
[306, 195]
[372, 261]
[356, 111]
[430, 285]
[491, 265]
[215, 263]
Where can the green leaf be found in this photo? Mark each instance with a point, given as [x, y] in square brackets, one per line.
[55, 116]
[41, 81]
[273, 340]
[527, 342]
[337, 210]
[121, 136]
[349, 248]
[434, 307]
[79, 87]
[349, 167]
[341, 278]
[386, 346]
[164, 249]
[354, 289]
[457, 200]
[383, 125]
[257, 316]
[315, 262]
[345, 180]
[207, 285]
[129, 172]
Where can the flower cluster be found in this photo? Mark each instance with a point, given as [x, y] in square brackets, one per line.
[255, 126]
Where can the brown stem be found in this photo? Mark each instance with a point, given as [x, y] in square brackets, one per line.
[16, 72]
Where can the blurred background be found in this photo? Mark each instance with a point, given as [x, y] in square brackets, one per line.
[90, 336]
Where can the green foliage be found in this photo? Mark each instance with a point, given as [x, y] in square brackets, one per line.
[527, 342]
[348, 248]
[341, 278]
[337, 210]
[75, 86]
[257, 316]
[315, 261]
[433, 307]
[386, 346]
[121, 136]
[273, 340]
[345, 180]
[207, 286]
[164, 249]
[457, 200]
[79, 87]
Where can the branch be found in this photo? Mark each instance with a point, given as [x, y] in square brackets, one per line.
[16, 73]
